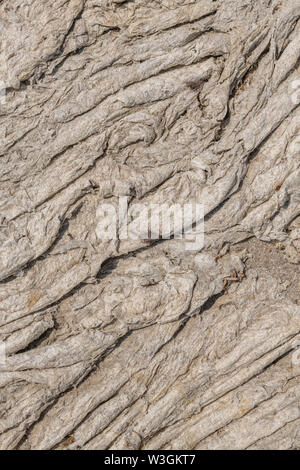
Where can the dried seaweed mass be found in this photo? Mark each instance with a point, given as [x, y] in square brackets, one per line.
[138, 343]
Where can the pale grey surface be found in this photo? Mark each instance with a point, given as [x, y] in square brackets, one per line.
[124, 345]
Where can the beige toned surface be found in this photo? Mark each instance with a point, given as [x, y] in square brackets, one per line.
[126, 345]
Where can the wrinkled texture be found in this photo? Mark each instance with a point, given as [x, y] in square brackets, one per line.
[124, 344]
